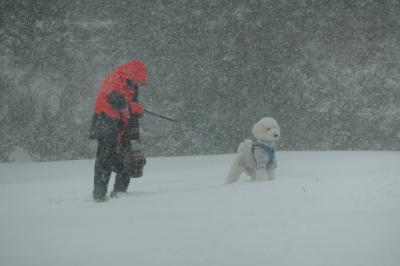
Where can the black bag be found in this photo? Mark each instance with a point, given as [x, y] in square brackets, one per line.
[134, 162]
[132, 130]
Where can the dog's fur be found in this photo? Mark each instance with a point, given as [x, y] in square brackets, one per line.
[252, 160]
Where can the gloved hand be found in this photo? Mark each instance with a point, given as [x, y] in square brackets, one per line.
[137, 110]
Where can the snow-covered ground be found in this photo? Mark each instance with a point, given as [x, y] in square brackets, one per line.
[324, 208]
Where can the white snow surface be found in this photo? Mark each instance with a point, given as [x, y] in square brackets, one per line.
[324, 208]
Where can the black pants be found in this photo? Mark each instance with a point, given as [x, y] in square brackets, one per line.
[109, 160]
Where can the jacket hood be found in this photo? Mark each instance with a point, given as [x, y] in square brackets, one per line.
[134, 70]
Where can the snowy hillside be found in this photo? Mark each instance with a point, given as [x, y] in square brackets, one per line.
[324, 208]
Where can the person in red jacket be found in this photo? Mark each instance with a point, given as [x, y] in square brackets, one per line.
[115, 123]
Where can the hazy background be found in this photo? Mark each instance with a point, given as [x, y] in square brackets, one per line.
[328, 71]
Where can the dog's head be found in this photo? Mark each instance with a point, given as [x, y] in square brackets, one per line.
[267, 130]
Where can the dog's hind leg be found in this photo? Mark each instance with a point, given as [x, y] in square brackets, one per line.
[234, 172]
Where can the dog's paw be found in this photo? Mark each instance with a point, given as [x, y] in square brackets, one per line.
[261, 175]
[274, 164]
[271, 175]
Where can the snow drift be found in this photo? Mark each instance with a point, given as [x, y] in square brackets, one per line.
[324, 208]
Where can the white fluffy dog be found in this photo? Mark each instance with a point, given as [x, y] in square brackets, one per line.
[257, 159]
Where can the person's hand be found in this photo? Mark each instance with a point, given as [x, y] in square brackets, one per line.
[137, 110]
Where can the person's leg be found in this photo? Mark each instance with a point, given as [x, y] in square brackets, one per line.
[122, 178]
[102, 170]
[122, 181]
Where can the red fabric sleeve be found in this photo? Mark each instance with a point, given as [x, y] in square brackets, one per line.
[137, 108]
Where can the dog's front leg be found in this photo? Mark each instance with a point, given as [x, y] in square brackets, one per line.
[271, 174]
[271, 171]
[261, 174]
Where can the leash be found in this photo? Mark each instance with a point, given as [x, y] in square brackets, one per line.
[181, 125]
[160, 116]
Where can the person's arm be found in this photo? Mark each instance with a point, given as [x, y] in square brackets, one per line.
[117, 100]
[137, 110]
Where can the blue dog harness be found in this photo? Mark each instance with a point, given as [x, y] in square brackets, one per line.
[270, 151]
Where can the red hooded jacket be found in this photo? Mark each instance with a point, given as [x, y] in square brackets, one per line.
[134, 70]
